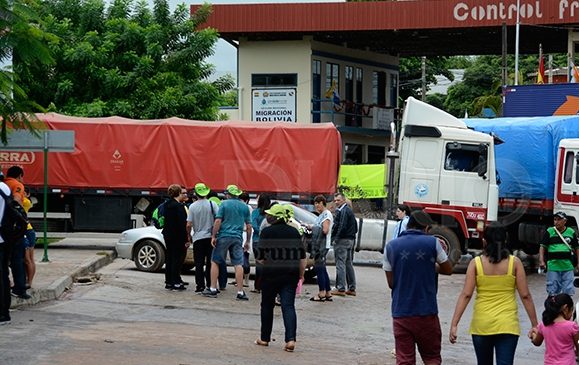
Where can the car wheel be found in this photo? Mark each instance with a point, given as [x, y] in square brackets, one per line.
[149, 256]
[449, 242]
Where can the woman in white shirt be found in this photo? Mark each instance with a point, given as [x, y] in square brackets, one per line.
[403, 214]
[321, 243]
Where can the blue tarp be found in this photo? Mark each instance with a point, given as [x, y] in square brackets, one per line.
[526, 162]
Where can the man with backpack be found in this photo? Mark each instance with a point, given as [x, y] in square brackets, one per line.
[14, 178]
[5, 299]
[200, 222]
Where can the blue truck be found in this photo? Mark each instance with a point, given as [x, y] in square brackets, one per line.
[538, 172]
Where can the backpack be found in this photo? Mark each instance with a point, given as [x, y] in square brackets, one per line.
[159, 215]
[15, 221]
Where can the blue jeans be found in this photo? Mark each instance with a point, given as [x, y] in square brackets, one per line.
[231, 244]
[30, 238]
[503, 345]
[343, 251]
[560, 282]
[287, 292]
[322, 273]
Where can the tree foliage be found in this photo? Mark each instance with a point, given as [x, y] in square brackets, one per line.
[127, 60]
[21, 41]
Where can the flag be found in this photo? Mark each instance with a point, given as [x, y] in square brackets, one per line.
[541, 72]
[330, 92]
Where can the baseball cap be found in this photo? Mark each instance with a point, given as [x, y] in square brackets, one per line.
[201, 189]
[233, 190]
[560, 215]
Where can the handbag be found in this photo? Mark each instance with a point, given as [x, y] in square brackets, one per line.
[573, 253]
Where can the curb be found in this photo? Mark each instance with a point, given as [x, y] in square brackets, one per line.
[55, 290]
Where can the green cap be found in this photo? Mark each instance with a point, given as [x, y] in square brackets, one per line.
[281, 211]
[233, 190]
[201, 189]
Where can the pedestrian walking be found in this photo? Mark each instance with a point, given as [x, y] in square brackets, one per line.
[284, 261]
[227, 236]
[411, 263]
[200, 225]
[559, 248]
[560, 333]
[344, 236]
[176, 238]
[495, 320]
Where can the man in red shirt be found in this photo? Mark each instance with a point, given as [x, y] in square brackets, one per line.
[14, 177]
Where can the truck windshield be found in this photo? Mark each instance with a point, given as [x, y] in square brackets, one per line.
[463, 157]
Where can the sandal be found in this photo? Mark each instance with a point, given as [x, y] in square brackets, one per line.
[317, 299]
[259, 342]
[290, 346]
[329, 298]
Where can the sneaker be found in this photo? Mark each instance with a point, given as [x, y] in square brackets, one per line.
[4, 320]
[199, 289]
[179, 287]
[169, 287]
[184, 283]
[351, 292]
[209, 293]
[242, 296]
[340, 293]
[24, 295]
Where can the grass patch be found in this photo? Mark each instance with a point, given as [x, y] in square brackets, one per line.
[50, 240]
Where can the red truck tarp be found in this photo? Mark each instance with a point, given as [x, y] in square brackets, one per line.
[119, 153]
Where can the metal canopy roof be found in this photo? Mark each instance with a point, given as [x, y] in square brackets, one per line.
[405, 28]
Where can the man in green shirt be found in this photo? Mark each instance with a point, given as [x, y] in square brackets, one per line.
[556, 251]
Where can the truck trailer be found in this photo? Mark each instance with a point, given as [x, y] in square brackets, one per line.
[122, 167]
[537, 171]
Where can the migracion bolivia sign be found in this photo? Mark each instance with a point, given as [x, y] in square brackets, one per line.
[273, 105]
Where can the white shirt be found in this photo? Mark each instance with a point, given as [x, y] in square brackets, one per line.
[6, 191]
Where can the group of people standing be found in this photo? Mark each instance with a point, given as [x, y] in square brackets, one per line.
[216, 230]
[16, 257]
[412, 261]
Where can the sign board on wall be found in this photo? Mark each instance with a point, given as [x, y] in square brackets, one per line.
[273, 105]
[382, 117]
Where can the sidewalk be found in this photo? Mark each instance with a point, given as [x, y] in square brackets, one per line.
[75, 256]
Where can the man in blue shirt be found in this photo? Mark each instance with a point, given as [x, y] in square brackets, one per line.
[411, 263]
[227, 235]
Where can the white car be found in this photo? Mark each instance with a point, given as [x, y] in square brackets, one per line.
[146, 246]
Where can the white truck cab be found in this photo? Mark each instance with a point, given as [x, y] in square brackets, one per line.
[448, 170]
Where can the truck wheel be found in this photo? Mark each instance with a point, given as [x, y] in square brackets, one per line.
[149, 256]
[449, 242]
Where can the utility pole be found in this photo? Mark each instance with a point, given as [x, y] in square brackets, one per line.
[504, 71]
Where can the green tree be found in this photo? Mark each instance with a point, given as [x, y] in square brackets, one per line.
[411, 74]
[127, 60]
[22, 42]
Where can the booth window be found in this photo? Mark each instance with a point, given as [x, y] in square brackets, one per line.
[569, 159]
[354, 154]
[376, 154]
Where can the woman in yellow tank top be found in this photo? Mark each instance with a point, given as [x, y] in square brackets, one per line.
[29, 242]
[495, 321]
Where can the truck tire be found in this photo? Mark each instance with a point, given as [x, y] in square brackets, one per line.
[149, 255]
[449, 242]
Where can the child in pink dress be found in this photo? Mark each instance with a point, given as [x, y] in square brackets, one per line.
[559, 332]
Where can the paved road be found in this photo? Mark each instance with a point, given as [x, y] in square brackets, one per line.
[128, 318]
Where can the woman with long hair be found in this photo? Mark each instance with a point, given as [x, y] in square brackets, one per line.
[495, 320]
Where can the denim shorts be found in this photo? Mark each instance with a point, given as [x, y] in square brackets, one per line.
[30, 239]
[231, 244]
